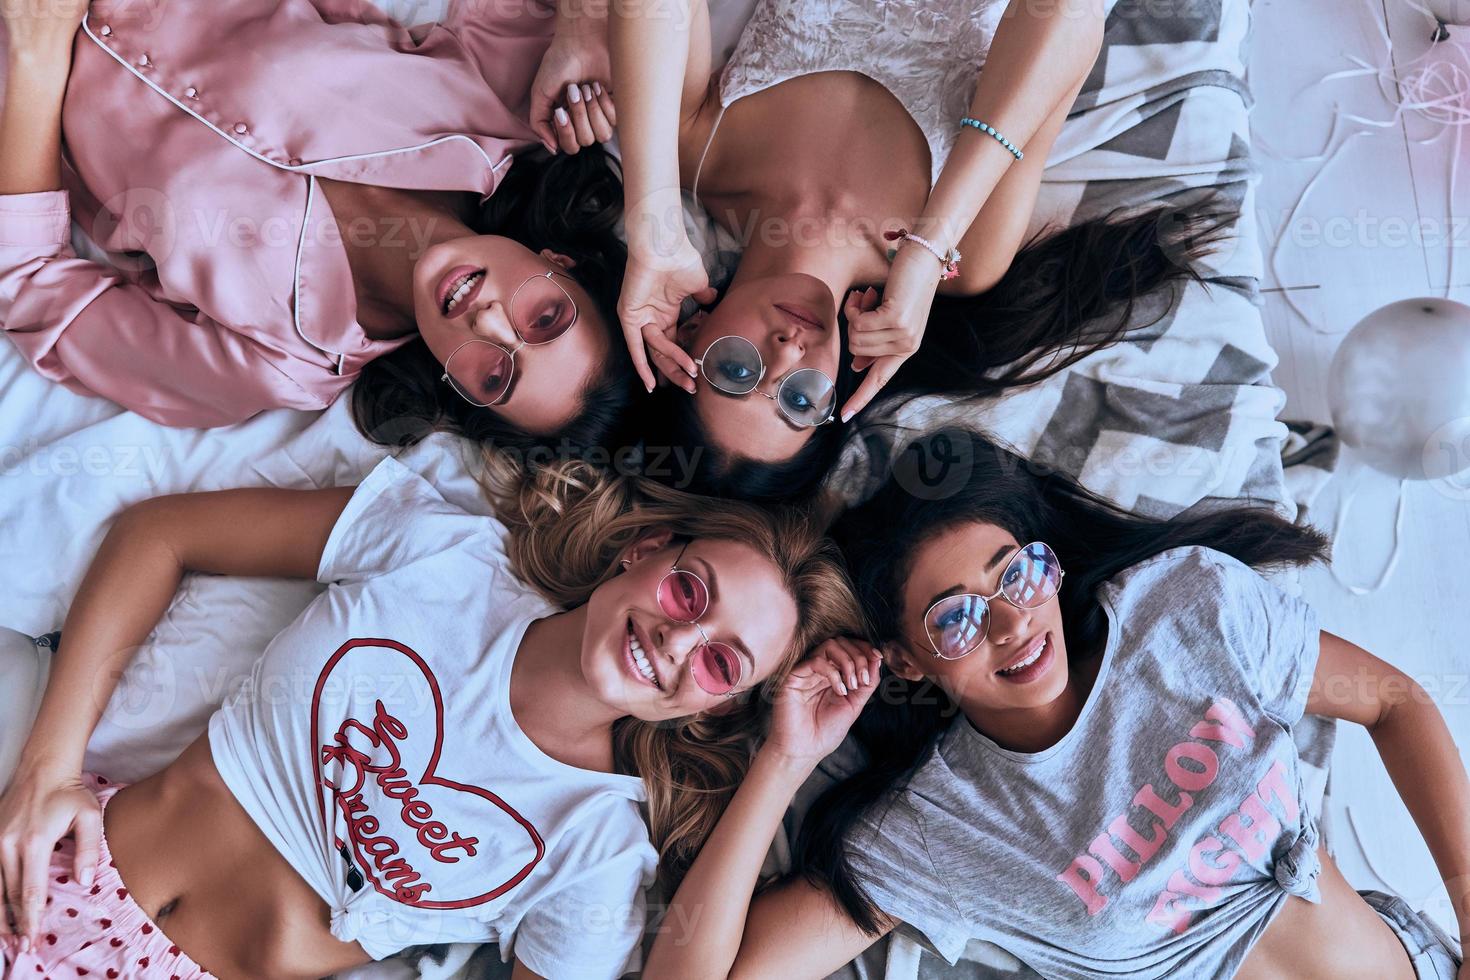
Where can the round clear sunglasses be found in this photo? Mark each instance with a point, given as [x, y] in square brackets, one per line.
[805, 397]
[957, 624]
[541, 310]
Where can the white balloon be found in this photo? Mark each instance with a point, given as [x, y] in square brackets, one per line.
[1450, 11]
[1399, 389]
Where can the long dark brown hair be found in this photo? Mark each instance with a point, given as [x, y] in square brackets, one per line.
[1094, 539]
[571, 205]
[1065, 295]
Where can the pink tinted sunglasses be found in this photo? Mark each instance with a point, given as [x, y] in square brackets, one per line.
[684, 597]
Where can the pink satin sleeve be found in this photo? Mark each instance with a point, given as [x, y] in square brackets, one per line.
[83, 325]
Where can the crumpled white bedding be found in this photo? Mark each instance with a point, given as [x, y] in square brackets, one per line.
[69, 464]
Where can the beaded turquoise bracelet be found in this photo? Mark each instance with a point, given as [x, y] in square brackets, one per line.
[987, 128]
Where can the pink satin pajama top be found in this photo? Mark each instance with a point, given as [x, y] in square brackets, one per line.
[195, 133]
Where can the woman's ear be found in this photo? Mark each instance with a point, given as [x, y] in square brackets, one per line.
[649, 543]
[902, 661]
[566, 262]
[684, 333]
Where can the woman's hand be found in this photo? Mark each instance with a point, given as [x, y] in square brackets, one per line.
[571, 96]
[882, 339]
[657, 281]
[38, 810]
[821, 699]
[43, 25]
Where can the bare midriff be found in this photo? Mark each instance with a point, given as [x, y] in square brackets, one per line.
[1341, 938]
[198, 865]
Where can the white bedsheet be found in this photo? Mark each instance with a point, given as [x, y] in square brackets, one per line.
[69, 464]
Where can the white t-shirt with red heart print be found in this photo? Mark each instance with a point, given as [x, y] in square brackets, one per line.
[375, 746]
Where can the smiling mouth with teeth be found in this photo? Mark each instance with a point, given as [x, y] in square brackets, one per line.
[640, 658]
[1035, 656]
[460, 290]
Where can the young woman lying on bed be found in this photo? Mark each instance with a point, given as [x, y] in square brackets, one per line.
[831, 127]
[297, 193]
[451, 743]
[1096, 772]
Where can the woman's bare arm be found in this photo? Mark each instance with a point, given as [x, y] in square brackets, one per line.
[266, 532]
[127, 589]
[39, 40]
[1040, 57]
[714, 927]
[1417, 750]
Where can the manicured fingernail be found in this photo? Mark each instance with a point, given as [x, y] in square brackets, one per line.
[847, 417]
[561, 116]
[85, 877]
[841, 689]
[597, 87]
[587, 92]
[867, 678]
[574, 93]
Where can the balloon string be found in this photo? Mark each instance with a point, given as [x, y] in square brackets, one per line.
[1291, 221]
[1434, 86]
[1449, 275]
[1393, 559]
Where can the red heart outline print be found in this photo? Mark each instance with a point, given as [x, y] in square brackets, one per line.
[379, 791]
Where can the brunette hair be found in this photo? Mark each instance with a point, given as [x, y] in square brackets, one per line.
[1094, 541]
[569, 204]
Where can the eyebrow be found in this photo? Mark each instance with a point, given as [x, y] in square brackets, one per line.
[714, 594]
[959, 589]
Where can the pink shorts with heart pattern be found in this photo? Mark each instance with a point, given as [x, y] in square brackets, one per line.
[95, 931]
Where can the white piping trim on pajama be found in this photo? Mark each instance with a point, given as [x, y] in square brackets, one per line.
[311, 187]
[86, 26]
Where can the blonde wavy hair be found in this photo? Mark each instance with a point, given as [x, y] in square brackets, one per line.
[569, 523]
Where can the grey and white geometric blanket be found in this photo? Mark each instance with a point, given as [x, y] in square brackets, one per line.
[1181, 415]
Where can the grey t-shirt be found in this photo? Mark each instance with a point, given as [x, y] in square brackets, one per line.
[1162, 833]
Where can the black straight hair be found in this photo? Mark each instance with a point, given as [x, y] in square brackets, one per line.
[1067, 294]
[985, 483]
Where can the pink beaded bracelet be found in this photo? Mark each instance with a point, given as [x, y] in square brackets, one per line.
[949, 259]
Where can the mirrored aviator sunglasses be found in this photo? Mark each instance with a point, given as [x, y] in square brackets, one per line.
[957, 624]
[805, 397]
[684, 597]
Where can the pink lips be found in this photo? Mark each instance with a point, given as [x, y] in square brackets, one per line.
[450, 280]
[1034, 670]
[800, 315]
